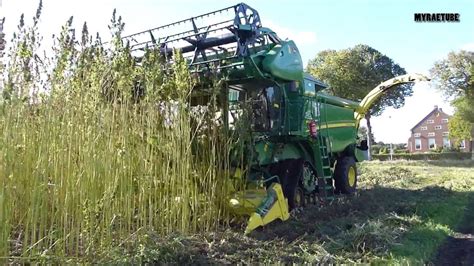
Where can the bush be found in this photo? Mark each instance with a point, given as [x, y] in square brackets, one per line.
[401, 151]
[376, 149]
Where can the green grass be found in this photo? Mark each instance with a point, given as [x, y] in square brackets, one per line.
[448, 190]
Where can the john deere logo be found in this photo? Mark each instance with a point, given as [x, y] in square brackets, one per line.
[437, 17]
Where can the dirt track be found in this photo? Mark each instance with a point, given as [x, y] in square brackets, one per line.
[459, 249]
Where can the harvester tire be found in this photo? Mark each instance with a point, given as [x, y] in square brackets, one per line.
[296, 197]
[290, 176]
[299, 198]
[345, 175]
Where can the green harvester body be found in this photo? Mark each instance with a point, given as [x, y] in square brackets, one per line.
[300, 135]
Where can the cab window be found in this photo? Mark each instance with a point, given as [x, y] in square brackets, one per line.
[309, 89]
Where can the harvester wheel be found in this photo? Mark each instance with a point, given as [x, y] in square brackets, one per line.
[291, 182]
[345, 175]
[300, 197]
[296, 197]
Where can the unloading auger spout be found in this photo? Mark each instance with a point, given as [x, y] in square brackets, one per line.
[381, 89]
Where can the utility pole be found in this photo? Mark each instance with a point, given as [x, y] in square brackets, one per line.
[391, 152]
[391, 147]
[472, 149]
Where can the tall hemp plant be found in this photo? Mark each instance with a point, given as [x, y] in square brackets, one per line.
[111, 150]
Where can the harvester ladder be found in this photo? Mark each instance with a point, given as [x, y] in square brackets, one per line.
[326, 189]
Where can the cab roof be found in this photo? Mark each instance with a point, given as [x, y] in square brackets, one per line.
[317, 82]
[321, 85]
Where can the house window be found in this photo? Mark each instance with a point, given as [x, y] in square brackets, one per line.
[438, 127]
[431, 121]
[462, 145]
[446, 142]
[432, 143]
[417, 135]
[417, 144]
[445, 133]
[445, 120]
[424, 128]
[431, 134]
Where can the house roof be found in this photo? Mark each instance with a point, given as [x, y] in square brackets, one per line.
[435, 109]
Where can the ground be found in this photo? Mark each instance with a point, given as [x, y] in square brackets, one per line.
[458, 249]
[404, 212]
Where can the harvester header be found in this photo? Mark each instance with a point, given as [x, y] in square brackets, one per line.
[205, 38]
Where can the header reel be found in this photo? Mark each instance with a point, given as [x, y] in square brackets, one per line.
[211, 40]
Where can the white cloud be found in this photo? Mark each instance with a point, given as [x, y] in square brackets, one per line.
[468, 46]
[299, 37]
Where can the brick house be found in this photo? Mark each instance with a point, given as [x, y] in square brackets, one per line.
[432, 132]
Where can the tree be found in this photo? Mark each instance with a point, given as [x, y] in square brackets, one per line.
[362, 133]
[454, 76]
[352, 73]
[459, 129]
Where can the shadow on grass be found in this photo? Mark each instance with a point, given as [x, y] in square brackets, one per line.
[459, 248]
[422, 217]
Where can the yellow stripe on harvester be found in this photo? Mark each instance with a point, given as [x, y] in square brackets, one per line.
[334, 125]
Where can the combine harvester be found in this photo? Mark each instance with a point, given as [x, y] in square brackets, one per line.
[305, 144]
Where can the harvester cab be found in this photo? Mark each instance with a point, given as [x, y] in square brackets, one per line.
[305, 145]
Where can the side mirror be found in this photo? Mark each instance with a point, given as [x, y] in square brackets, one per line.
[363, 145]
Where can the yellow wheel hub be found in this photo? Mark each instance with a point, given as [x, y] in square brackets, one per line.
[298, 199]
[351, 176]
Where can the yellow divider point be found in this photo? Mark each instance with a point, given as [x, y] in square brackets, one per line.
[274, 206]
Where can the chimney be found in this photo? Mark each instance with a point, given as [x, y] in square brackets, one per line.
[435, 107]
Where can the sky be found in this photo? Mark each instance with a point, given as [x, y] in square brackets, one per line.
[314, 25]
